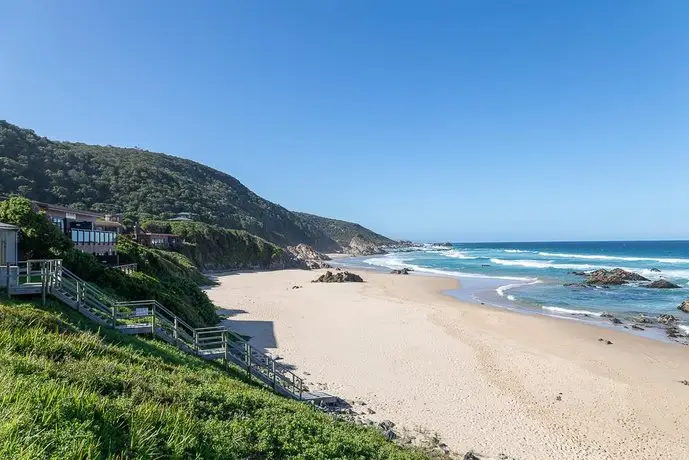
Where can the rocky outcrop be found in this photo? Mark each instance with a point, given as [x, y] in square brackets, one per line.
[655, 270]
[443, 245]
[339, 277]
[662, 284]
[667, 319]
[307, 257]
[684, 306]
[360, 246]
[401, 271]
[602, 277]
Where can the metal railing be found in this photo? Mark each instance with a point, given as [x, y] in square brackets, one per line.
[126, 268]
[151, 317]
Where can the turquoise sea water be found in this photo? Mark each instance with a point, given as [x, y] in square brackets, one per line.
[532, 276]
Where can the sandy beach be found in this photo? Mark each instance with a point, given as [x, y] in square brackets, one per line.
[491, 380]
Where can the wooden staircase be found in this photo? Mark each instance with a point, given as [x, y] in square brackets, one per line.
[49, 277]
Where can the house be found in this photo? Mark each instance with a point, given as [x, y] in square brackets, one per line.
[184, 217]
[9, 244]
[88, 231]
[156, 240]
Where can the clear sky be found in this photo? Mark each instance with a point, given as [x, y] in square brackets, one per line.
[463, 120]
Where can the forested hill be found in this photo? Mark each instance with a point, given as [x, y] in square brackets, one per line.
[341, 231]
[144, 184]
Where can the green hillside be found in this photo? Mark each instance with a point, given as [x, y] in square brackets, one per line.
[71, 390]
[143, 185]
[211, 247]
[339, 230]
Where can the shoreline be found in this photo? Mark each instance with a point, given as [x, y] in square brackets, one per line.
[489, 379]
[489, 298]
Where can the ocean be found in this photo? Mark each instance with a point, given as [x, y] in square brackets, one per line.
[533, 276]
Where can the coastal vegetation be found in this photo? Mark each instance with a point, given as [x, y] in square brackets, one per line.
[212, 247]
[146, 185]
[69, 389]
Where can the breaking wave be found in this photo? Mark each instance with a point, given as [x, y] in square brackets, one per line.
[602, 257]
[567, 311]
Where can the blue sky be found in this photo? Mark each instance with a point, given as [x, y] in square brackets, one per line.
[461, 120]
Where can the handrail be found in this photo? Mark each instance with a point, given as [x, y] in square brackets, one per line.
[211, 342]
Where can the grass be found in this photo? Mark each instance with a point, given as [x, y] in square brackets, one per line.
[70, 390]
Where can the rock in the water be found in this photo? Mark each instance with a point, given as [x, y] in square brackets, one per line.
[655, 270]
[667, 319]
[444, 245]
[360, 246]
[578, 273]
[615, 320]
[637, 327]
[401, 271]
[339, 277]
[674, 331]
[643, 319]
[684, 306]
[605, 314]
[604, 277]
[662, 284]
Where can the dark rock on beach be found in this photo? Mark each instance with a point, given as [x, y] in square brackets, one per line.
[603, 277]
[401, 271]
[667, 319]
[470, 456]
[662, 284]
[339, 277]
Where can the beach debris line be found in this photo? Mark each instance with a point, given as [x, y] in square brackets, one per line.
[339, 277]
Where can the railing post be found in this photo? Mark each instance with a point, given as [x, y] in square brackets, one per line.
[273, 370]
[8, 280]
[114, 316]
[224, 347]
[196, 342]
[28, 271]
[44, 281]
[247, 349]
[79, 293]
[153, 319]
[175, 333]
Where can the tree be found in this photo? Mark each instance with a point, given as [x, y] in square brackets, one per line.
[39, 238]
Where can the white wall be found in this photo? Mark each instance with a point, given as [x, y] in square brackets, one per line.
[8, 246]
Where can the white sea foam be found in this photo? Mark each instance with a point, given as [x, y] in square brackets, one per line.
[567, 311]
[510, 297]
[390, 261]
[456, 254]
[514, 251]
[602, 257]
[501, 290]
[684, 328]
[530, 263]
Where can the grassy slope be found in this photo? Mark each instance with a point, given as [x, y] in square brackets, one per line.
[68, 390]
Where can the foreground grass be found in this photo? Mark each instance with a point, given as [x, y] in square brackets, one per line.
[69, 390]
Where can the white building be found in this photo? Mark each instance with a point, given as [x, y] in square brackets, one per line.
[9, 244]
